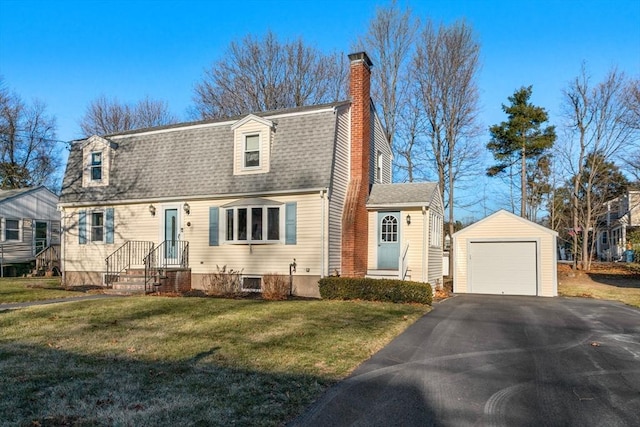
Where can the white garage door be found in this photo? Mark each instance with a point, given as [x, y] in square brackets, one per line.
[504, 268]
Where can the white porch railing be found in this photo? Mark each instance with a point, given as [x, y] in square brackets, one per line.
[404, 266]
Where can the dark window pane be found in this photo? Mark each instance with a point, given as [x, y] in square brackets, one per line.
[12, 229]
[242, 224]
[273, 224]
[96, 173]
[252, 158]
[256, 223]
[251, 283]
[97, 226]
[229, 224]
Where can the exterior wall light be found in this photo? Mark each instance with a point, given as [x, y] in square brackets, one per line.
[408, 219]
[187, 208]
[152, 210]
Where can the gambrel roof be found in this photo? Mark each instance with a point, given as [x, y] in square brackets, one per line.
[196, 159]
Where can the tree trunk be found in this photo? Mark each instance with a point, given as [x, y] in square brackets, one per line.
[523, 181]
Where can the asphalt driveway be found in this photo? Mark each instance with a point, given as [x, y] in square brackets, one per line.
[498, 361]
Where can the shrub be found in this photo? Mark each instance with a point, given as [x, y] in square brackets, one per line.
[223, 282]
[275, 287]
[399, 291]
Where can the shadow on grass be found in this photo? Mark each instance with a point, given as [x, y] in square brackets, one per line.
[49, 386]
[619, 281]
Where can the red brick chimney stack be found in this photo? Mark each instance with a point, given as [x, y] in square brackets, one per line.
[355, 219]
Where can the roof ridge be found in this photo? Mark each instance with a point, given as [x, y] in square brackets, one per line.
[290, 110]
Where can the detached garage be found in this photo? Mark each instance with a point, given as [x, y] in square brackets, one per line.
[505, 254]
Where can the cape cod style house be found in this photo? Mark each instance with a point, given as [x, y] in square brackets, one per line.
[29, 230]
[304, 192]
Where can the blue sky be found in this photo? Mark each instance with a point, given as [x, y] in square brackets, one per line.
[67, 53]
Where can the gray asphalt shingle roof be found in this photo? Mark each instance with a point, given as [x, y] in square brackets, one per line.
[197, 161]
[407, 194]
[7, 194]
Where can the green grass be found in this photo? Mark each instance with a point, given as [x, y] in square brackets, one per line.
[32, 289]
[183, 361]
[626, 295]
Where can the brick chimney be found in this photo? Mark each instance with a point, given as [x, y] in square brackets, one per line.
[355, 217]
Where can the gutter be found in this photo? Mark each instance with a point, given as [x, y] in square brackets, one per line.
[190, 198]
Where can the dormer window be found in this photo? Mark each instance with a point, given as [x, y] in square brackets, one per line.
[252, 143]
[97, 156]
[96, 166]
[251, 151]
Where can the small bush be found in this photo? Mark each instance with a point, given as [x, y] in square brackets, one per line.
[223, 282]
[399, 291]
[275, 287]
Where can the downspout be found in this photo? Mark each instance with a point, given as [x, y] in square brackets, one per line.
[424, 243]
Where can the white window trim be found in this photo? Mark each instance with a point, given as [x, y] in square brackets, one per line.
[90, 226]
[92, 166]
[250, 276]
[265, 225]
[436, 225]
[244, 151]
[3, 230]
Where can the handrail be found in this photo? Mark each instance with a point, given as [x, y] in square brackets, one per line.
[132, 252]
[404, 266]
[47, 257]
[170, 253]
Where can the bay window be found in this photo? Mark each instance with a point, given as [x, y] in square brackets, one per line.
[253, 224]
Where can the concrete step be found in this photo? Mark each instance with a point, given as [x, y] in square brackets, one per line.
[382, 274]
[122, 292]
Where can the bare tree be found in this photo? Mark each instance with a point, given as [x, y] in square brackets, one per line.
[598, 119]
[28, 145]
[446, 64]
[632, 101]
[107, 116]
[265, 74]
[390, 41]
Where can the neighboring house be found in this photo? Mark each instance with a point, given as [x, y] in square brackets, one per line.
[623, 215]
[29, 228]
[304, 192]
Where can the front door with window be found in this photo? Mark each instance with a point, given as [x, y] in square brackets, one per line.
[40, 236]
[388, 240]
[171, 236]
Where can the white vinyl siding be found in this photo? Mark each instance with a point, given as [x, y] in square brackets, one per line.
[338, 189]
[135, 222]
[380, 152]
[504, 226]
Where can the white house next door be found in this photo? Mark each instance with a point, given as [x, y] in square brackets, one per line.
[388, 240]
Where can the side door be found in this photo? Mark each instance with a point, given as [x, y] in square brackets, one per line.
[388, 240]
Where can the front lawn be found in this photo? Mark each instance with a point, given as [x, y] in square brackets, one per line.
[32, 289]
[183, 361]
[609, 281]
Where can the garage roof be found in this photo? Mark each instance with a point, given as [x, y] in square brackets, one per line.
[503, 213]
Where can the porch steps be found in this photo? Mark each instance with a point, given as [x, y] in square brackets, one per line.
[385, 274]
[129, 283]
